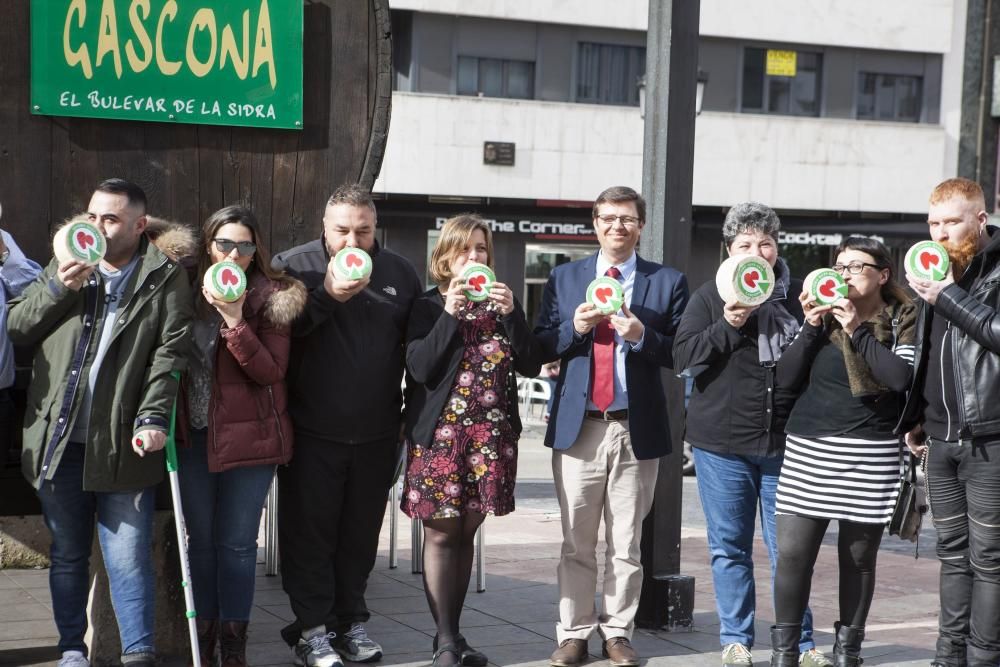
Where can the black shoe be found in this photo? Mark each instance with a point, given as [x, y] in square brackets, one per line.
[785, 644]
[442, 655]
[471, 657]
[847, 647]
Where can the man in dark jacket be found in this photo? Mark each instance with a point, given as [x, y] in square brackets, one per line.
[953, 417]
[107, 341]
[347, 362]
[608, 425]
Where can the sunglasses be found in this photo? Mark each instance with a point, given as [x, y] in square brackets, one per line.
[246, 248]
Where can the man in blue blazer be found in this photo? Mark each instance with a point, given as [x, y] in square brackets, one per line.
[608, 424]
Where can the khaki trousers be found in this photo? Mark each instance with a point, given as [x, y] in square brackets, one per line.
[600, 476]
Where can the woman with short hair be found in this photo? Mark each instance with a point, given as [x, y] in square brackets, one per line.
[735, 424]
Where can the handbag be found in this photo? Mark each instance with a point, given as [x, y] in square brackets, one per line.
[909, 511]
[908, 514]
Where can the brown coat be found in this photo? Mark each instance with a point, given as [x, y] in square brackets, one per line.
[248, 421]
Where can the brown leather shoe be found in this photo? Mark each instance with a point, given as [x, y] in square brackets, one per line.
[620, 652]
[570, 652]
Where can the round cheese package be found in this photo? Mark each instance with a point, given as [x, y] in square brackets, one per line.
[481, 278]
[825, 286]
[226, 281]
[745, 279]
[927, 260]
[79, 240]
[606, 295]
[352, 264]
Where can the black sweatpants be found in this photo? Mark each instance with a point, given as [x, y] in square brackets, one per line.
[331, 502]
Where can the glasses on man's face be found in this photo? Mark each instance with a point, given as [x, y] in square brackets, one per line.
[626, 220]
[245, 248]
[854, 268]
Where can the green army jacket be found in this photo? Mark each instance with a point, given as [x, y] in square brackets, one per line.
[135, 389]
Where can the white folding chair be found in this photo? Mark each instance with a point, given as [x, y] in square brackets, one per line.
[534, 390]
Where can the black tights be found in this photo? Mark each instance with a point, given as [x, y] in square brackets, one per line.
[449, 548]
[799, 539]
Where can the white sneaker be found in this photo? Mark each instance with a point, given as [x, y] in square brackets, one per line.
[356, 646]
[73, 659]
[736, 655]
[316, 651]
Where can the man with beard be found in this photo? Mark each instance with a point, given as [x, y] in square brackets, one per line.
[347, 360]
[952, 417]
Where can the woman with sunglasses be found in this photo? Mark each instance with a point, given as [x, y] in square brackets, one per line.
[853, 361]
[237, 426]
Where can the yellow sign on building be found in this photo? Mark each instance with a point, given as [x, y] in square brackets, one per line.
[781, 63]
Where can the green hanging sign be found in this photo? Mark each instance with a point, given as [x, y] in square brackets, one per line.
[189, 61]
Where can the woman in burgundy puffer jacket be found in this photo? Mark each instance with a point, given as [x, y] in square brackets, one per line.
[237, 426]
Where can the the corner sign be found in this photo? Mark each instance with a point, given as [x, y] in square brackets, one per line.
[175, 61]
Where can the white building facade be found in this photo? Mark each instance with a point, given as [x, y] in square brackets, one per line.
[525, 111]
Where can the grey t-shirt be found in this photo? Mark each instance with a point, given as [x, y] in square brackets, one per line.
[114, 283]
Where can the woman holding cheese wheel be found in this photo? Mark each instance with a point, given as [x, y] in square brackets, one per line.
[735, 424]
[235, 424]
[853, 359]
[462, 420]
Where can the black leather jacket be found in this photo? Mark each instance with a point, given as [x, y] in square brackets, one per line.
[971, 306]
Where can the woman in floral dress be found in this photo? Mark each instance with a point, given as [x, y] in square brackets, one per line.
[462, 424]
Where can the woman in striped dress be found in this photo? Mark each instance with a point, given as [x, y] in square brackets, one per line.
[851, 360]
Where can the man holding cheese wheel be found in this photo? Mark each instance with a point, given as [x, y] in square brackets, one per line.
[347, 361]
[608, 425]
[108, 340]
[952, 416]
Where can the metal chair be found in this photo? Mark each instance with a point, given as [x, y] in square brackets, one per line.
[417, 549]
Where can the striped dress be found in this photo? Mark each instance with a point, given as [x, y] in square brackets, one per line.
[842, 476]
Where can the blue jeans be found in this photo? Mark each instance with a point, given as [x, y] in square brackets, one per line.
[222, 512]
[125, 531]
[731, 488]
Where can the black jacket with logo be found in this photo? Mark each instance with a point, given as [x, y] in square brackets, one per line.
[347, 359]
[972, 308]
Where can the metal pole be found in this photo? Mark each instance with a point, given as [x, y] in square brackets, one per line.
[481, 558]
[416, 546]
[271, 530]
[393, 526]
[667, 598]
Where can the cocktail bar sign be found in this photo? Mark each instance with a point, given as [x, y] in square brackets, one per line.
[187, 61]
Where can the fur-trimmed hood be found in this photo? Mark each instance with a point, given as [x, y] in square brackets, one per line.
[280, 300]
[174, 239]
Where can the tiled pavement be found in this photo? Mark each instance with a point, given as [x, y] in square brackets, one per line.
[513, 621]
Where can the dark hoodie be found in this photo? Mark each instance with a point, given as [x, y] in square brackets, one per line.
[947, 334]
[347, 359]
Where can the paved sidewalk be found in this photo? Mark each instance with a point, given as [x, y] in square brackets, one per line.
[513, 621]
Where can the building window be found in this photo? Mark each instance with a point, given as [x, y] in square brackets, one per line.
[609, 73]
[795, 91]
[890, 97]
[493, 77]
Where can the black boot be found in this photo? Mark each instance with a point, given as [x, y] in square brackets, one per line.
[978, 657]
[208, 633]
[233, 644]
[785, 644]
[949, 653]
[847, 649]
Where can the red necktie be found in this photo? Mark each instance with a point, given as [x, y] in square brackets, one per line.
[602, 389]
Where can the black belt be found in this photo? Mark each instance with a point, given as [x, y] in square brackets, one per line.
[608, 415]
